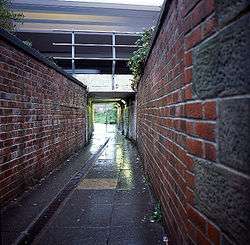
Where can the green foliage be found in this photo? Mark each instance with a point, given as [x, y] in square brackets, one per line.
[136, 62]
[51, 59]
[8, 18]
[109, 117]
[157, 214]
[28, 43]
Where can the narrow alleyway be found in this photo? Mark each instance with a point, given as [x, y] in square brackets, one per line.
[173, 75]
[110, 202]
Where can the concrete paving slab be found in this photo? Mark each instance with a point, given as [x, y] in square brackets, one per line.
[13, 224]
[133, 197]
[100, 174]
[131, 213]
[136, 234]
[84, 216]
[91, 197]
[75, 236]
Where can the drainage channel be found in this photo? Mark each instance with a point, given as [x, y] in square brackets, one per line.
[46, 214]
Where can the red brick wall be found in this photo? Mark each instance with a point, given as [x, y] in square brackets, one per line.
[42, 116]
[193, 120]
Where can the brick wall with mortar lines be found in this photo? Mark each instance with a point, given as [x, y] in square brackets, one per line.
[43, 119]
[193, 120]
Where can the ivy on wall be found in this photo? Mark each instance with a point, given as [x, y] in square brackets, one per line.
[137, 60]
[9, 18]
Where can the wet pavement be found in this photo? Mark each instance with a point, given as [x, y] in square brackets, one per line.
[110, 204]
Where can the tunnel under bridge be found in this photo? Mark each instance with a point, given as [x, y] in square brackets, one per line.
[125, 105]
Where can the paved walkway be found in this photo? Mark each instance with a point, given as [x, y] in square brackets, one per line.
[108, 202]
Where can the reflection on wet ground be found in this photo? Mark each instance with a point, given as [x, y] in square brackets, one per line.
[112, 204]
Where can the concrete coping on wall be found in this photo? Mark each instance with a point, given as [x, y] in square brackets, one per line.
[16, 42]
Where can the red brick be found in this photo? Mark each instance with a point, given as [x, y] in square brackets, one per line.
[190, 179]
[188, 5]
[209, 26]
[197, 219]
[39, 154]
[188, 92]
[205, 130]
[190, 133]
[194, 110]
[188, 23]
[213, 234]
[190, 128]
[188, 76]
[210, 152]
[209, 110]
[201, 239]
[188, 58]
[195, 147]
[189, 163]
[190, 196]
[201, 11]
[193, 38]
[191, 231]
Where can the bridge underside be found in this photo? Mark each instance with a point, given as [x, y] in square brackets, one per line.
[109, 96]
[85, 37]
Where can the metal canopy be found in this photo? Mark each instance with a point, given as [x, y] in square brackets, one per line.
[80, 52]
[113, 47]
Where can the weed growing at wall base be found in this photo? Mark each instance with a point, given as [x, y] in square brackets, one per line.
[157, 214]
